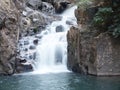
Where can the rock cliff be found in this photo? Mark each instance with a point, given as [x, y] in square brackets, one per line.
[89, 50]
[9, 28]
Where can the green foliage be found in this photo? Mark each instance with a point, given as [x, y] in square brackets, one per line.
[115, 27]
[102, 17]
[108, 18]
[116, 31]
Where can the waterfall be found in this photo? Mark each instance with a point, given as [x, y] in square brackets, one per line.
[51, 51]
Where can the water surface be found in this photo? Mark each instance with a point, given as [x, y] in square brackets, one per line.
[59, 81]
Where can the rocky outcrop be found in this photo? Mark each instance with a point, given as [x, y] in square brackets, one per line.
[94, 54]
[23, 66]
[9, 28]
[59, 28]
[73, 50]
[36, 14]
[60, 5]
[35, 4]
[91, 51]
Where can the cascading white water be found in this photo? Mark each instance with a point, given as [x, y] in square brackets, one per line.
[52, 49]
[50, 54]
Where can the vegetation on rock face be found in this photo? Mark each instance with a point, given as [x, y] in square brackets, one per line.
[95, 51]
[103, 17]
[108, 17]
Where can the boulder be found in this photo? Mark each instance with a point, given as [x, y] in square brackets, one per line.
[37, 19]
[47, 8]
[33, 23]
[35, 41]
[32, 47]
[25, 23]
[25, 68]
[59, 28]
[60, 6]
[69, 23]
[26, 42]
[22, 67]
[35, 4]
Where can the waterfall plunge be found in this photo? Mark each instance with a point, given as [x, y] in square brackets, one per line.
[50, 55]
[52, 49]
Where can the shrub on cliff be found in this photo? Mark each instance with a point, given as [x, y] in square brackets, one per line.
[108, 17]
[103, 18]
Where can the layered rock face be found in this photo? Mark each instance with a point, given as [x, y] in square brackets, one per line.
[36, 14]
[90, 51]
[91, 54]
[9, 27]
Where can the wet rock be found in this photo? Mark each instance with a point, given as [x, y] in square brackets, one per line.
[69, 23]
[60, 6]
[31, 57]
[35, 41]
[32, 47]
[37, 19]
[34, 3]
[23, 66]
[31, 32]
[47, 7]
[20, 44]
[26, 42]
[26, 49]
[23, 61]
[59, 28]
